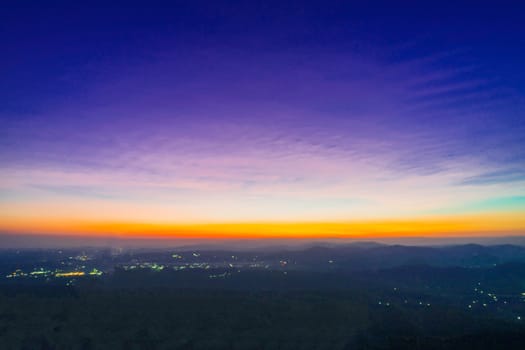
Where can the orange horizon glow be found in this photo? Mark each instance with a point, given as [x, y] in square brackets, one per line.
[437, 226]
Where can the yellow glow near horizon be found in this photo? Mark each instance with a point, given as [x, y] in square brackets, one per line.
[471, 225]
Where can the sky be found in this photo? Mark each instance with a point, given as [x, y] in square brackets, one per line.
[262, 119]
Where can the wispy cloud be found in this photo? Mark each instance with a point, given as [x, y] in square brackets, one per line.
[496, 177]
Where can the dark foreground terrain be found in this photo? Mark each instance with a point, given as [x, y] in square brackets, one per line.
[463, 297]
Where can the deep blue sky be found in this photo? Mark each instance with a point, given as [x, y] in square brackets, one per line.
[49, 46]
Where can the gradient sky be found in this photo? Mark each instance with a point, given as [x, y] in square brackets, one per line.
[255, 118]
